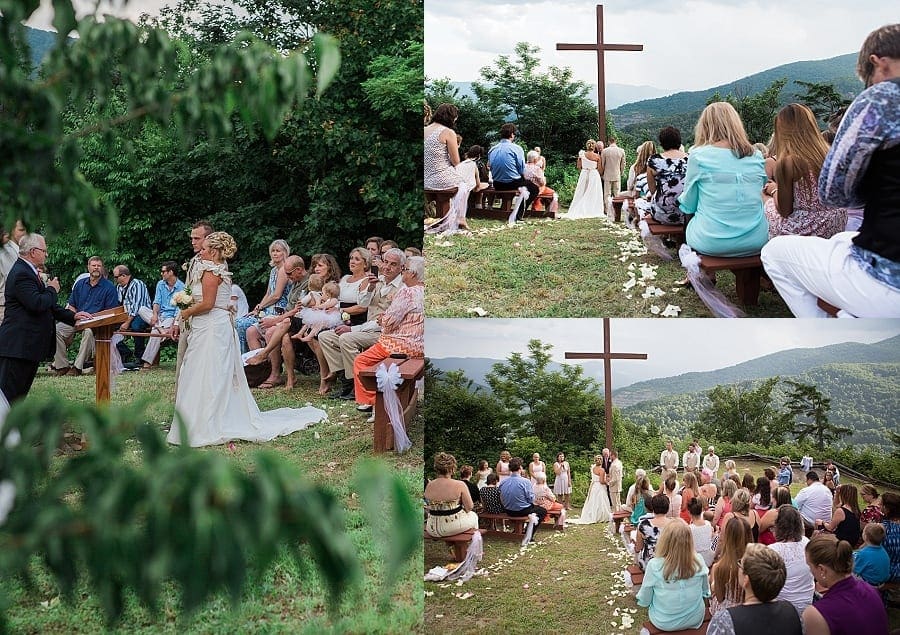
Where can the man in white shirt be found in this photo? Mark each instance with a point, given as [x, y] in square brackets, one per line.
[711, 463]
[668, 459]
[814, 501]
[691, 459]
[9, 253]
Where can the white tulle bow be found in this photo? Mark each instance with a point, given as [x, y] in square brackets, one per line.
[704, 287]
[388, 379]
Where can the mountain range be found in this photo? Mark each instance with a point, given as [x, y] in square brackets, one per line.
[861, 379]
[616, 94]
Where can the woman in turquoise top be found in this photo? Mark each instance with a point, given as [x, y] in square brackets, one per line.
[676, 581]
[723, 187]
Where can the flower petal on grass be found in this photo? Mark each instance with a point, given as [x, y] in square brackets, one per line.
[477, 310]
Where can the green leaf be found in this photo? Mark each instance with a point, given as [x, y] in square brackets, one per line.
[329, 58]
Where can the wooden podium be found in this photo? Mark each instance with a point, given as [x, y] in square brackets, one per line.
[103, 324]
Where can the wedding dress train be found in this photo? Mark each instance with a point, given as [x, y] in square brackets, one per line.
[213, 398]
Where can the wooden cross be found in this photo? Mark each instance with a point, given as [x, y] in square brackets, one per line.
[607, 356]
[601, 47]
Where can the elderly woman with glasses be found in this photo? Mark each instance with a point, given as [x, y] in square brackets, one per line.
[402, 329]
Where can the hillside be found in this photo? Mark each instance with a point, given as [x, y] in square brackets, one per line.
[616, 94]
[682, 109]
[40, 42]
[864, 397]
[785, 363]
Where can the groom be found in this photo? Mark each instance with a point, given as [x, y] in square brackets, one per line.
[199, 232]
[27, 335]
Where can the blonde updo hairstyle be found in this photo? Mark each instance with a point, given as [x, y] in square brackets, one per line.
[223, 243]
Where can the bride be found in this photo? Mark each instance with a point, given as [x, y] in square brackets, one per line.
[213, 399]
[596, 506]
[587, 201]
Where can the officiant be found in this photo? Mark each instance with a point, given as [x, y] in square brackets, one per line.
[27, 334]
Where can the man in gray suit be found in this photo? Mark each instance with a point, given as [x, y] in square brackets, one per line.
[28, 335]
[344, 343]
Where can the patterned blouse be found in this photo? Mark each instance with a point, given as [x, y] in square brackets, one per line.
[669, 177]
[810, 216]
[403, 323]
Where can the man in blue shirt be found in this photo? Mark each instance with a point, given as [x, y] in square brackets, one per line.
[507, 163]
[785, 474]
[89, 295]
[163, 315]
[517, 494]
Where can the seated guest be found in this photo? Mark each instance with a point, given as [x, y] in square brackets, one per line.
[890, 507]
[675, 582]
[702, 531]
[545, 497]
[722, 187]
[402, 329]
[465, 475]
[517, 493]
[814, 501]
[449, 503]
[872, 511]
[723, 505]
[163, 313]
[781, 496]
[373, 244]
[666, 172]
[279, 328]
[238, 302]
[637, 173]
[726, 590]
[844, 521]
[274, 302]
[468, 169]
[341, 345]
[135, 298]
[490, 495]
[761, 575]
[535, 173]
[639, 474]
[871, 562]
[650, 529]
[792, 203]
[412, 251]
[741, 508]
[791, 546]
[848, 605]
[441, 156]
[507, 163]
[854, 271]
[89, 295]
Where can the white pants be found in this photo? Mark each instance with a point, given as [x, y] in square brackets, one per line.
[153, 343]
[804, 268]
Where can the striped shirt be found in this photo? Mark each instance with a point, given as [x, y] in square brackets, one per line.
[133, 296]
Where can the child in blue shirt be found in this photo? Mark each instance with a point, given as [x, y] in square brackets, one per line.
[871, 562]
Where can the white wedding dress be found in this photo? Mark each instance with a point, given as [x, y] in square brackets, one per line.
[596, 506]
[213, 398]
[587, 202]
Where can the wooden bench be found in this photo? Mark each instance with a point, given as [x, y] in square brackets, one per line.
[441, 200]
[411, 370]
[674, 232]
[830, 309]
[637, 577]
[618, 518]
[517, 524]
[497, 205]
[458, 542]
[653, 630]
[617, 203]
[747, 272]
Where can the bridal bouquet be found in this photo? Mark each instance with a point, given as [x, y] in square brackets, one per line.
[183, 299]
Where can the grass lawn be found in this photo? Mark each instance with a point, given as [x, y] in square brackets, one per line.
[286, 599]
[566, 582]
[559, 268]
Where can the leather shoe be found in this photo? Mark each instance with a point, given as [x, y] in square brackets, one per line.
[74, 372]
[60, 372]
[364, 408]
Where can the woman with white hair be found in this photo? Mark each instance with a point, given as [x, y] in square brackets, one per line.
[535, 173]
[402, 329]
[275, 299]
